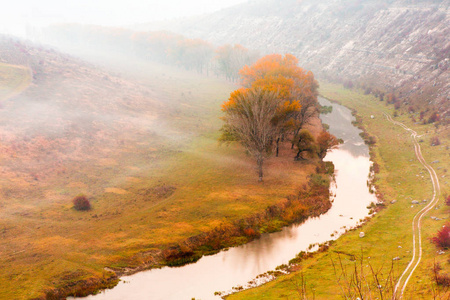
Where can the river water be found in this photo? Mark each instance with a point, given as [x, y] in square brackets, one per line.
[237, 266]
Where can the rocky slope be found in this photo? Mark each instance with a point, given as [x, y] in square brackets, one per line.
[399, 46]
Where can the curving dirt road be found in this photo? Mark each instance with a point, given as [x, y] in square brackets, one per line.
[416, 223]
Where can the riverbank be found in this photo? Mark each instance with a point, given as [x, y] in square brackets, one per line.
[386, 248]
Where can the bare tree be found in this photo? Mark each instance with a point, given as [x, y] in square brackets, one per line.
[249, 119]
[309, 110]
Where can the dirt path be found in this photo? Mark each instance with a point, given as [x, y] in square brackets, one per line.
[417, 220]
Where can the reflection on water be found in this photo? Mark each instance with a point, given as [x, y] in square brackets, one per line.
[239, 265]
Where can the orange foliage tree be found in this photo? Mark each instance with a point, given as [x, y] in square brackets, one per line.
[293, 85]
[326, 141]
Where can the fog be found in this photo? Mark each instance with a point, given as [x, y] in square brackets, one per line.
[22, 16]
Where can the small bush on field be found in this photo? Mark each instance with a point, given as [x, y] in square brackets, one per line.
[441, 279]
[447, 201]
[81, 202]
[442, 239]
[435, 141]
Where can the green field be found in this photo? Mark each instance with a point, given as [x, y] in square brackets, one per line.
[148, 194]
[388, 233]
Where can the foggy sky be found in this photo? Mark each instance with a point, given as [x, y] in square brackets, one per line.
[15, 15]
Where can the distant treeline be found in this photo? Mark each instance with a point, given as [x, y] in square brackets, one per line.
[161, 46]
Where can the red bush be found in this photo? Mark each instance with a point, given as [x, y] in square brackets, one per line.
[250, 232]
[442, 239]
[81, 202]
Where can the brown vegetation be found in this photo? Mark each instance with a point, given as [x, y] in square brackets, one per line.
[81, 202]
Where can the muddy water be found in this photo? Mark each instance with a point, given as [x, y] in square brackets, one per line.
[239, 265]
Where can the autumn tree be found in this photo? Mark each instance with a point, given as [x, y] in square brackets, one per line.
[251, 119]
[305, 142]
[292, 83]
[230, 59]
[191, 54]
[325, 141]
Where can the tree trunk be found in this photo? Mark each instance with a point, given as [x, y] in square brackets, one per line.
[278, 146]
[297, 157]
[295, 135]
[260, 161]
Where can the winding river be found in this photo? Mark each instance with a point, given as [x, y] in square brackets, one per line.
[239, 265]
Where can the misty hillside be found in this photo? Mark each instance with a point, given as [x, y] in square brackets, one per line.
[395, 46]
[84, 117]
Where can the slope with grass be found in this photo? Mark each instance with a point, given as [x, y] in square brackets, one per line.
[13, 80]
[373, 264]
[140, 140]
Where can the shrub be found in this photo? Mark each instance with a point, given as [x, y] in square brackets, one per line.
[422, 115]
[81, 203]
[375, 168]
[250, 232]
[441, 279]
[368, 139]
[447, 201]
[433, 118]
[435, 141]
[442, 239]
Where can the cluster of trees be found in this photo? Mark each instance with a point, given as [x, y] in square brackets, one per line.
[161, 46]
[417, 107]
[277, 100]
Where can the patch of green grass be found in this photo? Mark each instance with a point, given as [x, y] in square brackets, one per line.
[388, 234]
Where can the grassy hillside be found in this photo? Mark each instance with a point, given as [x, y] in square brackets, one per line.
[13, 80]
[142, 145]
[387, 245]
